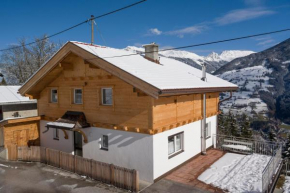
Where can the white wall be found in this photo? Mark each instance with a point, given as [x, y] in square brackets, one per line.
[192, 146]
[46, 139]
[25, 113]
[126, 149]
[213, 120]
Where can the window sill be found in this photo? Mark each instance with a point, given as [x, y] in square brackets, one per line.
[56, 139]
[175, 154]
[105, 149]
[208, 137]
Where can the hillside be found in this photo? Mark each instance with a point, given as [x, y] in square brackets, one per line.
[264, 81]
[214, 60]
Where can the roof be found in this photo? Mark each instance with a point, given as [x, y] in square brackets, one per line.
[10, 95]
[70, 120]
[170, 77]
[170, 74]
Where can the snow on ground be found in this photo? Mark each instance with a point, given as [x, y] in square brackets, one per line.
[286, 62]
[286, 185]
[251, 81]
[237, 173]
[239, 147]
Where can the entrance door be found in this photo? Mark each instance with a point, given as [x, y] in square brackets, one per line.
[78, 144]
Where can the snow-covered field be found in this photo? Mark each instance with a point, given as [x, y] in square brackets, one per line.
[286, 186]
[237, 173]
[250, 80]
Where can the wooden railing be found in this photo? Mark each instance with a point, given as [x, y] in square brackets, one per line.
[107, 173]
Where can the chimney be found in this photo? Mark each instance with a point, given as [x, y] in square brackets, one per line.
[151, 52]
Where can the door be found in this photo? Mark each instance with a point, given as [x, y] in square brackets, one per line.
[78, 144]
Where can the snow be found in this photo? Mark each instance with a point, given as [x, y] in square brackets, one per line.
[251, 81]
[2, 165]
[286, 62]
[229, 55]
[9, 94]
[169, 74]
[236, 172]
[286, 185]
[58, 124]
[241, 147]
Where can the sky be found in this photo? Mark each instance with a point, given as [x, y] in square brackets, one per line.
[169, 23]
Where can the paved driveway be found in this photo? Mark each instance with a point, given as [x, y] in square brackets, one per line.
[22, 177]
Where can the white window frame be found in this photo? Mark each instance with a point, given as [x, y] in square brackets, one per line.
[102, 143]
[55, 134]
[208, 130]
[175, 142]
[75, 96]
[102, 93]
[52, 97]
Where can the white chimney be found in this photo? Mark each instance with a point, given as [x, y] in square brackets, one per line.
[151, 52]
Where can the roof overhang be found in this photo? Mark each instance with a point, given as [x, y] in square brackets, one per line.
[19, 120]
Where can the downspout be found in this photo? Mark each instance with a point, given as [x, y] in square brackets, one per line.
[203, 121]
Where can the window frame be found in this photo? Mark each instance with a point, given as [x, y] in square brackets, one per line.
[175, 153]
[102, 143]
[75, 89]
[208, 130]
[52, 97]
[55, 134]
[102, 96]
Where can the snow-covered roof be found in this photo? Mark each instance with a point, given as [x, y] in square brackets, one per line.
[10, 95]
[169, 74]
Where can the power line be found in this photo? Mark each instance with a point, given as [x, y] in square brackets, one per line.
[203, 44]
[74, 26]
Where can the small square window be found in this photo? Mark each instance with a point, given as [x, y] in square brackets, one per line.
[78, 96]
[107, 96]
[105, 142]
[55, 134]
[53, 96]
[208, 130]
[175, 144]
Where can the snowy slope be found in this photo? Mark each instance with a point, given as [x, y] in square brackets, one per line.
[236, 172]
[213, 60]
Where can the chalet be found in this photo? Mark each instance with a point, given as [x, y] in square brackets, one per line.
[143, 112]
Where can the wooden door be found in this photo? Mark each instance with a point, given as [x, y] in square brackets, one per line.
[21, 137]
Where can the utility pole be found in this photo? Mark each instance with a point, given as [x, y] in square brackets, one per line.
[92, 30]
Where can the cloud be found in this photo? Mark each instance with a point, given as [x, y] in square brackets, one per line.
[266, 42]
[240, 15]
[154, 31]
[192, 30]
[254, 2]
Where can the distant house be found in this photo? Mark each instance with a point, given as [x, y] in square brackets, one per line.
[13, 105]
[135, 111]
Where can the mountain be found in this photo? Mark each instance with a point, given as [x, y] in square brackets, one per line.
[214, 60]
[264, 81]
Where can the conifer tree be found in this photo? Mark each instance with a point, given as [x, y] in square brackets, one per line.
[245, 127]
[233, 126]
[3, 82]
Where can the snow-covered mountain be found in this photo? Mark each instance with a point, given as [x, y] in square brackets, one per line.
[264, 82]
[214, 60]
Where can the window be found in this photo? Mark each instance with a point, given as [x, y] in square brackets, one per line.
[105, 142]
[107, 96]
[53, 96]
[175, 144]
[78, 96]
[55, 134]
[208, 130]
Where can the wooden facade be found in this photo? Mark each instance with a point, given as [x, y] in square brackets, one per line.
[132, 109]
[21, 132]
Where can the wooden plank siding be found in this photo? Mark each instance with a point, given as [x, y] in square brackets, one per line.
[21, 133]
[132, 110]
[174, 111]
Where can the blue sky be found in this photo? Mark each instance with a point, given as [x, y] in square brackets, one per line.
[170, 23]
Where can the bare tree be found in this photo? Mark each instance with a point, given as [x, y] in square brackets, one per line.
[21, 62]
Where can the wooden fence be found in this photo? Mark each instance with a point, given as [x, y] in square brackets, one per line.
[107, 173]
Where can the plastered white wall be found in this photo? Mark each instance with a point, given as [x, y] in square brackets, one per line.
[213, 120]
[46, 139]
[126, 149]
[26, 113]
[191, 142]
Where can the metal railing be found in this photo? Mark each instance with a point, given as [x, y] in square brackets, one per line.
[271, 169]
[250, 146]
[245, 145]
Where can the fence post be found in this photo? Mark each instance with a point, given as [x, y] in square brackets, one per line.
[91, 166]
[135, 181]
[75, 164]
[112, 172]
